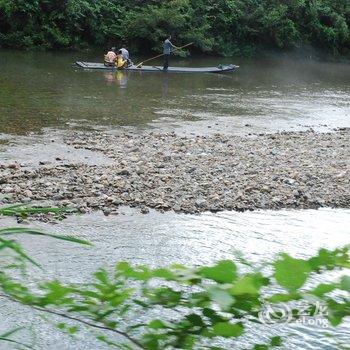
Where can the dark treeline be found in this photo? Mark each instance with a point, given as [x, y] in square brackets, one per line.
[227, 27]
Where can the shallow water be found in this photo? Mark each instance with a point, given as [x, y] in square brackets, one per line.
[161, 239]
[44, 93]
[40, 90]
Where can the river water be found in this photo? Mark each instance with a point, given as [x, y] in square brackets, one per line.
[42, 95]
[41, 90]
[160, 239]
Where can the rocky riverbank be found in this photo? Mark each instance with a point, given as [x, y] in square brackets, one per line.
[190, 174]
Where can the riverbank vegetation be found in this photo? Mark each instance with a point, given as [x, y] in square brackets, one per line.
[227, 27]
[206, 307]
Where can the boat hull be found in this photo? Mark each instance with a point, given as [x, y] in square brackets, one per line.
[101, 66]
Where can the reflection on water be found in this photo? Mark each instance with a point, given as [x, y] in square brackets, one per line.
[40, 90]
[161, 239]
[119, 77]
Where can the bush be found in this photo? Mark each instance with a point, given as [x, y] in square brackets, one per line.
[216, 26]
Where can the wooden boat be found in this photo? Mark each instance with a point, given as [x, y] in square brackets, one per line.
[218, 69]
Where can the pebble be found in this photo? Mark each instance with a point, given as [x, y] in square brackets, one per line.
[191, 174]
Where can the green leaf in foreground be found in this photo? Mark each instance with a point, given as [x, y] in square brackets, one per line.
[291, 273]
[23, 230]
[223, 272]
[249, 284]
[24, 211]
[323, 289]
[345, 283]
[337, 311]
[157, 324]
[228, 330]
[276, 341]
[174, 307]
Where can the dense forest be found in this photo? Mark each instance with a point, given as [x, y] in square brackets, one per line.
[226, 27]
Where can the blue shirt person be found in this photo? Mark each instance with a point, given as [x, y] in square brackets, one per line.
[167, 49]
[126, 56]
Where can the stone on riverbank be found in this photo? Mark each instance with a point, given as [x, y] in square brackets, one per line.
[192, 174]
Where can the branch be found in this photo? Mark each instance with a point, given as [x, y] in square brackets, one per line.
[72, 318]
[16, 342]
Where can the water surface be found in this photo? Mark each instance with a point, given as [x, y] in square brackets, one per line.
[44, 93]
[40, 90]
[161, 239]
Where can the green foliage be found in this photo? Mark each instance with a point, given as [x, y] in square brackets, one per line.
[20, 210]
[217, 26]
[180, 307]
[295, 280]
[207, 306]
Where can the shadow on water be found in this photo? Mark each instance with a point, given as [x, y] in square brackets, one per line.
[39, 90]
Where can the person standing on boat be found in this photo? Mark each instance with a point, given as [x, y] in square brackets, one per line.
[110, 57]
[167, 49]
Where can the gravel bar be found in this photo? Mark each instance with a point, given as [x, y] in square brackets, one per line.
[192, 174]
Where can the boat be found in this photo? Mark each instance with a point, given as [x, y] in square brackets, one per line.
[219, 69]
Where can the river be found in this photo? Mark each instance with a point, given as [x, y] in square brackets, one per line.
[160, 239]
[43, 90]
[44, 94]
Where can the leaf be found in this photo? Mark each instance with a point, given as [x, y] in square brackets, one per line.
[23, 230]
[322, 289]
[223, 272]
[102, 276]
[291, 273]
[189, 342]
[337, 311]
[330, 259]
[276, 341]
[195, 319]
[280, 297]
[164, 273]
[213, 315]
[166, 296]
[151, 341]
[260, 347]
[157, 324]
[18, 249]
[249, 284]
[345, 283]
[141, 273]
[56, 293]
[228, 330]
[72, 330]
[22, 210]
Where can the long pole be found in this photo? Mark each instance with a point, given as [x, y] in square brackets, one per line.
[152, 58]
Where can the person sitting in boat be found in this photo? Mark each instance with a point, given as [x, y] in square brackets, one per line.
[125, 54]
[167, 49]
[110, 58]
[120, 62]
